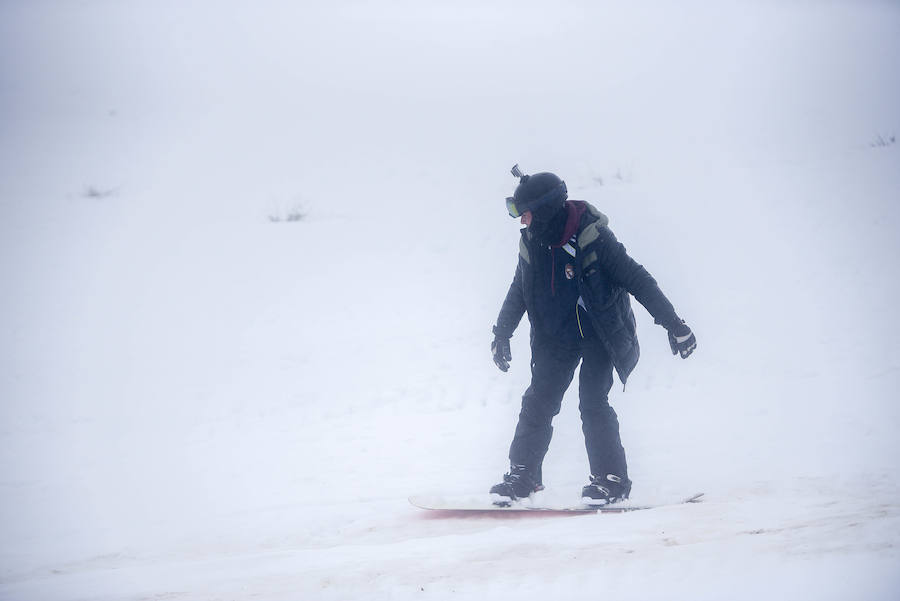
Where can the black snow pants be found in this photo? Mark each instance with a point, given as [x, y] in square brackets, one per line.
[552, 369]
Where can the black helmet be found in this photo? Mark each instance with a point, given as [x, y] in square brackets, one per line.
[541, 192]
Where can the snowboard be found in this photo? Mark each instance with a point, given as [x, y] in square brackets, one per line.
[482, 503]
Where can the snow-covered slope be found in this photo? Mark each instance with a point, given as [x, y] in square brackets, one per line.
[202, 399]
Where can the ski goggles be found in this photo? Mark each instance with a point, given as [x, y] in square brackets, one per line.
[548, 196]
[512, 208]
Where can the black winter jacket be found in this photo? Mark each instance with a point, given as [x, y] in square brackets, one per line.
[606, 275]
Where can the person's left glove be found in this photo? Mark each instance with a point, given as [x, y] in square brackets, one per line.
[682, 340]
[501, 352]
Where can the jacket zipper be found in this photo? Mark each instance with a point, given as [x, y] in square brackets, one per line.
[578, 319]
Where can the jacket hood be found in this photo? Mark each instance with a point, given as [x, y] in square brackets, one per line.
[575, 210]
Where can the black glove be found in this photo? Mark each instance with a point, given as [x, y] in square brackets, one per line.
[682, 340]
[502, 354]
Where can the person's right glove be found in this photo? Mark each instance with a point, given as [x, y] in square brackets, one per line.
[682, 340]
[501, 352]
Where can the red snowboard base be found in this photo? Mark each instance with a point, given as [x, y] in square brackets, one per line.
[482, 503]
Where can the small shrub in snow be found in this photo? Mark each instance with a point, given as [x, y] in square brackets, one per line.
[619, 176]
[95, 192]
[881, 142]
[295, 214]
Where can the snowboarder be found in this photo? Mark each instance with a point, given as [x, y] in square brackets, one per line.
[574, 279]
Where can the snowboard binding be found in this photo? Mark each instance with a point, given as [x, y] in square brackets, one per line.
[518, 483]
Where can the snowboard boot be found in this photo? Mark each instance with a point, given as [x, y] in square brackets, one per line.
[519, 483]
[604, 490]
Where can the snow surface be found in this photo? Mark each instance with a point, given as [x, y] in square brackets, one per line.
[204, 400]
